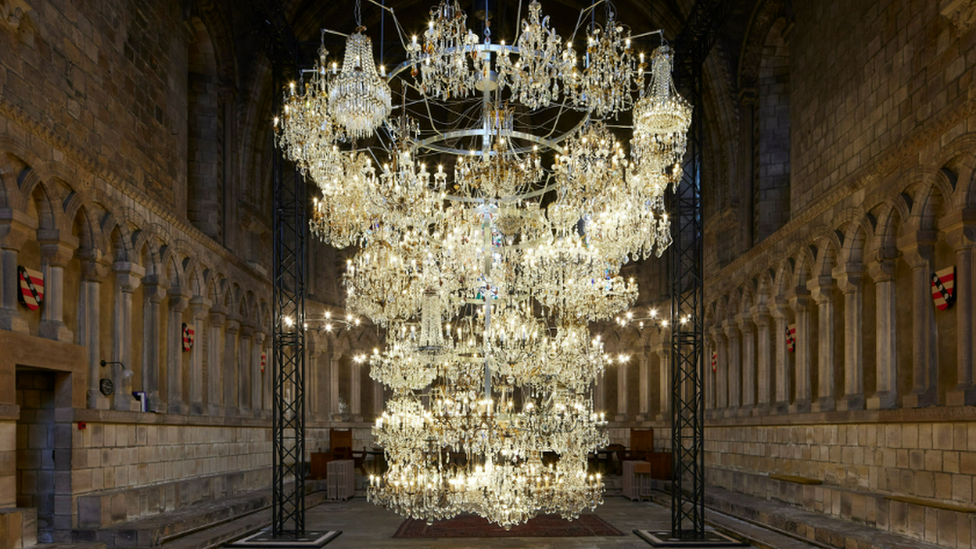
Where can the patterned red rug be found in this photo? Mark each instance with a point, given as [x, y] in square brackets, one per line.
[542, 526]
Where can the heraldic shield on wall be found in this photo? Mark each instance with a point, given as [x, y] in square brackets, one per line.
[31, 287]
[944, 288]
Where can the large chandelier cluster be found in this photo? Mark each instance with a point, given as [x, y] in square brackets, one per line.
[487, 245]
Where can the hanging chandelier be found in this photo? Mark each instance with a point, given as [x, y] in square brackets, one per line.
[484, 267]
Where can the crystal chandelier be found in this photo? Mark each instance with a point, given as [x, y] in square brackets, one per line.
[359, 99]
[661, 122]
[486, 272]
[606, 85]
[594, 162]
[444, 68]
[542, 62]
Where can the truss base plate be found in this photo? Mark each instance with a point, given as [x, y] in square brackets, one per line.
[711, 539]
[265, 539]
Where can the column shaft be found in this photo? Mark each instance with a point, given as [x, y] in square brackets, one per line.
[823, 296]
[803, 395]
[853, 342]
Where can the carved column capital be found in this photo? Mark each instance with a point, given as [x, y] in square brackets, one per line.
[232, 325]
[882, 270]
[12, 12]
[217, 317]
[800, 299]
[128, 275]
[16, 228]
[201, 307]
[93, 270]
[962, 13]
[821, 288]
[917, 248]
[178, 301]
[744, 322]
[730, 329]
[57, 249]
[849, 277]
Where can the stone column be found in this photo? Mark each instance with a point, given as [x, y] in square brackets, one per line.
[377, 399]
[800, 304]
[664, 359]
[127, 278]
[964, 393]
[355, 390]
[178, 302]
[56, 251]
[721, 375]
[760, 316]
[622, 368]
[823, 296]
[643, 386]
[334, 385]
[783, 371]
[925, 364]
[744, 323]
[215, 363]
[89, 326]
[201, 308]
[152, 294]
[256, 377]
[886, 353]
[230, 377]
[244, 383]
[733, 358]
[599, 394]
[16, 228]
[849, 280]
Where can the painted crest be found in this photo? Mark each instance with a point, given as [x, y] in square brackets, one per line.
[791, 338]
[944, 288]
[31, 287]
[714, 360]
[187, 338]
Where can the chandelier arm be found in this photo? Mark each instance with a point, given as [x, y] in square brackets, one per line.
[583, 12]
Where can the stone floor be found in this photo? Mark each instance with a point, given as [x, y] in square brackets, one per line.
[366, 525]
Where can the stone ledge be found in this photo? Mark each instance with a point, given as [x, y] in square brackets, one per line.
[809, 525]
[935, 414]
[797, 480]
[150, 418]
[933, 504]
[854, 509]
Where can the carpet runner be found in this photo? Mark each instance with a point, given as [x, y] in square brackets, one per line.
[473, 526]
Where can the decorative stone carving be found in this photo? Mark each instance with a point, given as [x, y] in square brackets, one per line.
[12, 12]
[962, 13]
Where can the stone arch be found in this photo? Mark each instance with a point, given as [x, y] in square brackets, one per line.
[828, 247]
[804, 266]
[782, 278]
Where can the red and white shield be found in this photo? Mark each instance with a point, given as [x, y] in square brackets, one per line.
[31, 287]
[187, 338]
[944, 288]
[714, 360]
[791, 338]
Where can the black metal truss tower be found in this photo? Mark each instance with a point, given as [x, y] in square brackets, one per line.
[687, 283]
[288, 344]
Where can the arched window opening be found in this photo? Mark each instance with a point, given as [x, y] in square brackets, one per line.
[205, 193]
[771, 189]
